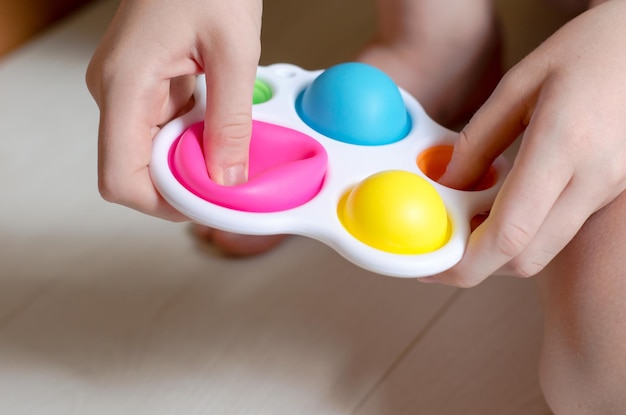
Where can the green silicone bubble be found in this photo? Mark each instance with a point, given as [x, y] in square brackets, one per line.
[262, 92]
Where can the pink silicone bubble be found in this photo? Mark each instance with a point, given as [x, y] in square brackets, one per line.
[286, 170]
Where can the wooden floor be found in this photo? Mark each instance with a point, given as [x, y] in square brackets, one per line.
[106, 311]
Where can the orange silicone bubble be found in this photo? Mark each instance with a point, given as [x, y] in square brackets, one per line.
[434, 161]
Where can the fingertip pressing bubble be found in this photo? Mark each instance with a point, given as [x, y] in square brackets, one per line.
[343, 156]
[434, 161]
[286, 169]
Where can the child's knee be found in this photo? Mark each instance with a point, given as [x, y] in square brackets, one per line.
[574, 383]
[583, 363]
[583, 371]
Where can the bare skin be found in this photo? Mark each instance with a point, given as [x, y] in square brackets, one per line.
[565, 98]
[134, 102]
[141, 76]
[583, 358]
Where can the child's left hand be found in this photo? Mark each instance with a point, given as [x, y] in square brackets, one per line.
[568, 98]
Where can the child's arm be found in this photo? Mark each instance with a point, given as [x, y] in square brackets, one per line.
[567, 97]
[141, 76]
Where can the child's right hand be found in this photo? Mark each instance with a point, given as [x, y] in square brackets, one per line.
[142, 75]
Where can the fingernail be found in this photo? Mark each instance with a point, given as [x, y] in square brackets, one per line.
[427, 280]
[235, 175]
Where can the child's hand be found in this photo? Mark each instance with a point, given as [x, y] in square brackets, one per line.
[141, 76]
[568, 99]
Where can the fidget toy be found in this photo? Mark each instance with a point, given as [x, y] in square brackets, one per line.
[341, 155]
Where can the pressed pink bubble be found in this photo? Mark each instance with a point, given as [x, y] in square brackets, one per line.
[286, 170]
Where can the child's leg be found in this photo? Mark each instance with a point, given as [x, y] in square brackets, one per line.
[449, 61]
[236, 245]
[583, 365]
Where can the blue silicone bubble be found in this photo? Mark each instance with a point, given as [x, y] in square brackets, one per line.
[355, 103]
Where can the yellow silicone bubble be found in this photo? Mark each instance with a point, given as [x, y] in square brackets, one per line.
[396, 211]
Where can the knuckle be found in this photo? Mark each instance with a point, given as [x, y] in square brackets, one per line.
[511, 239]
[512, 81]
[466, 283]
[461, 279]
[90, 77]
[107, 190]
[92, 80]
[101, 73]
[614, 175]
[237, 129]
[532, 261]
[111, 191]
[526, 268]
[136, 196]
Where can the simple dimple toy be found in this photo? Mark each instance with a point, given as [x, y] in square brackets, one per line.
[341, 155]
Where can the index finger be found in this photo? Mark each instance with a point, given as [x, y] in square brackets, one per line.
[230, 76]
